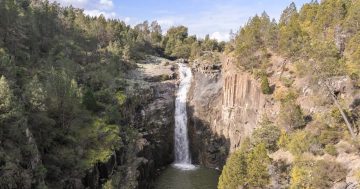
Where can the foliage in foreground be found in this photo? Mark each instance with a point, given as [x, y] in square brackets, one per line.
[247, 167]
[316, 174]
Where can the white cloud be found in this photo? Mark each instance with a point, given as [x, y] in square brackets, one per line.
[220, 36]
[166, 23]
[96, 12]
[75, 3]
[222, 19]
[107, 3]
[127, 20]
[92, 7]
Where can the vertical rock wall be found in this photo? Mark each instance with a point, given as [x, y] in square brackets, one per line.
[208, 147]
[243, 104]
[225, 106]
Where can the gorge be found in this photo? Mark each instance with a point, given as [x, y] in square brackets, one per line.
[91, 100]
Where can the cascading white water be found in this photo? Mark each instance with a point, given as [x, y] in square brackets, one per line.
[182, 152]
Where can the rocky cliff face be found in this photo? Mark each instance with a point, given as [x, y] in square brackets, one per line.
[150, 112]
[204, 109]
[225, 106]
[243, 104]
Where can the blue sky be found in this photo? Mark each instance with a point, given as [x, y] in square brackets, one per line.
[214, 17]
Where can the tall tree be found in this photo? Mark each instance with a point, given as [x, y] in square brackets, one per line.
[8, 106]
[36, 95]
[156, 33]
[258, 162]
[288, 13]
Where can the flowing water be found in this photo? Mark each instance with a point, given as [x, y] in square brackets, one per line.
[182, 174]
[182, 153]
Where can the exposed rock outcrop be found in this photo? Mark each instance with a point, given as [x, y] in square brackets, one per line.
[204, 109]
[138, 161]
[243, 104]
[155, 122]
[225, 106]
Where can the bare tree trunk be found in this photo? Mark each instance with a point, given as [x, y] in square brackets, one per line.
[348, 124]
[333, 96]
[283, 68]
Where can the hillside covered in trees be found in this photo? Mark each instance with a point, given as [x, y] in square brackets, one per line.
[63, 107]
[298, 62]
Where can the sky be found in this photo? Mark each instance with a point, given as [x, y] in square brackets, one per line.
[214, 17]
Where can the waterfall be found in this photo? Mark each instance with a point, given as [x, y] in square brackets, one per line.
[182, 152]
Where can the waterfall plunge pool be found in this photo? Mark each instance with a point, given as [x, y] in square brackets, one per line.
[198, 178]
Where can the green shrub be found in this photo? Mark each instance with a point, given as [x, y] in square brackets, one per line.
[283, 139]
[112, 114]
[331, 150]
[265, 88]
[299, 143]
[329, 137]
[336, 115]
[234, 172]
[258, 162]
[301, 174]
[326, 173]
[89, 101]
[357, 175]
[268, 134]
[121, 97]
[40, 171]
[35, 95]
[246, 168]
[108, 185]
[287, 95]
[101, 139]
[259, 73]
[291, 115]
[316, 174]
[287, 82]
[182, 51]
